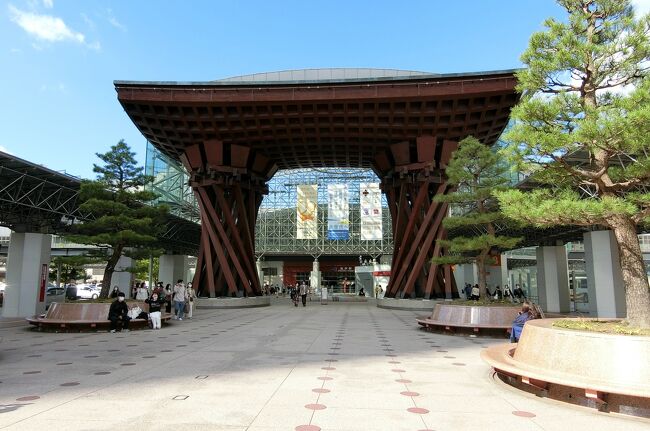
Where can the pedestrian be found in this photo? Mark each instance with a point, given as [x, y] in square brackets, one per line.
[303, 293]
[475, 295]
[141, 292]
[190, 295]
[155, 304]
[179, 299]
[115, 292]
[118, 314]
[168, 298]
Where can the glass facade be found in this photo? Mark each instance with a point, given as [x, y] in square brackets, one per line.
[276, 228]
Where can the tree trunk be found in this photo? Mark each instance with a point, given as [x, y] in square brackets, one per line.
[637, 289]
[482, 275]
[108, 273]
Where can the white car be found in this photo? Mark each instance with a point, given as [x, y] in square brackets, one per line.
[54, 294]
[87, 291]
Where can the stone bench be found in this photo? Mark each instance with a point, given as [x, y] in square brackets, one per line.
[65, 316]
[485, 318]
[600, 368]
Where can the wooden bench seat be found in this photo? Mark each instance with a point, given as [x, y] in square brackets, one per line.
[85, 315]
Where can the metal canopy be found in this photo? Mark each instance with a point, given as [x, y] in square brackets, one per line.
[34, 198]
[330, 123]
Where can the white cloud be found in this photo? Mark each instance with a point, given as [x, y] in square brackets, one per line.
[47, 28]
[15, 50]
[113, 21]
[48, 3]
[641, 6]
[5, 150]
[89, 22]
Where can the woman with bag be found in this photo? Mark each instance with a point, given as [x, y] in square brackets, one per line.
[190, 296]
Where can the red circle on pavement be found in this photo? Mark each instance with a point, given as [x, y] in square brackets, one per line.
[410, 393]
[418, 410]
[325, 378]
[321, 390]
[397, 370]
[328, 368]
[315, 406]
[28, 398]
[307, 428]
[524, 414]
[403, 381]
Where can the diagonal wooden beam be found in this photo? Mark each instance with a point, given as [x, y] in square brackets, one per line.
[204, 203]
[432, 230]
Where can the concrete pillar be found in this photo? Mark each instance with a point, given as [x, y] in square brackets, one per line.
[314, 277]
[605, 287]
[28, 263]
[121, 276]
[260, 271]
[172, 267]
[504, 271]
[553, 279]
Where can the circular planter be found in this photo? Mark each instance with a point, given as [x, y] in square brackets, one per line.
[478, 319]
[407, 304]
[249, 302]
[604, 371]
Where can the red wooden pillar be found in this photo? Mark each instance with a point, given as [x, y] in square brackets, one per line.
[229, 182]
[412, 174]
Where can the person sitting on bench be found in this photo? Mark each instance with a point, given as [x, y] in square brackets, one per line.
[118, 314]
[518, 324]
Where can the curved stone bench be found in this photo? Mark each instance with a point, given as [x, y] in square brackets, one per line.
[63, 316]
[248, 302]
[406, 304]
[450, 317]
[604, 368]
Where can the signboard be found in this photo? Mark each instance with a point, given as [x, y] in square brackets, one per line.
[42, 283]
[307, 212]
[370, 205]
[338, 212]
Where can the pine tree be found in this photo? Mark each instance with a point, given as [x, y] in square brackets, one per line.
[120, 215]
[476, 173]
[586, 96]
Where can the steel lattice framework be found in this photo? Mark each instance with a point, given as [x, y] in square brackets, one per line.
[37, 199]
[275, 231]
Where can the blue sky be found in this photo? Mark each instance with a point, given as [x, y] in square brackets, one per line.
[59, 57]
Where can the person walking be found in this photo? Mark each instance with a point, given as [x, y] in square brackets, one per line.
[179, 299]
[155, 304]
[303, 293]
[190, 296]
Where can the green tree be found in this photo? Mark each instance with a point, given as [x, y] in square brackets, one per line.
[140, 268]
[586, 97]
[71, 267]
[476, 173]
[119, 214]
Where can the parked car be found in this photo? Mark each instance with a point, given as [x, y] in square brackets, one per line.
[54, 294]
[87, 291]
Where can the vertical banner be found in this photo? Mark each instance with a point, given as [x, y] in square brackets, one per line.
[338, 212]
[307, 212]
[370, 205]
[42, 282]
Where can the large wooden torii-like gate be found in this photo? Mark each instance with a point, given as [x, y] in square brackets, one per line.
[232, 136]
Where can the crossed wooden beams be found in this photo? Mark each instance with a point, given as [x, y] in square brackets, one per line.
[415, 177]
[229, 182]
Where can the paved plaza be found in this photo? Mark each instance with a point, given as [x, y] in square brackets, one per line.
[331, 367]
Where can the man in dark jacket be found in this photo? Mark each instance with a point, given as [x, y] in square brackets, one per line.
[118, 314]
